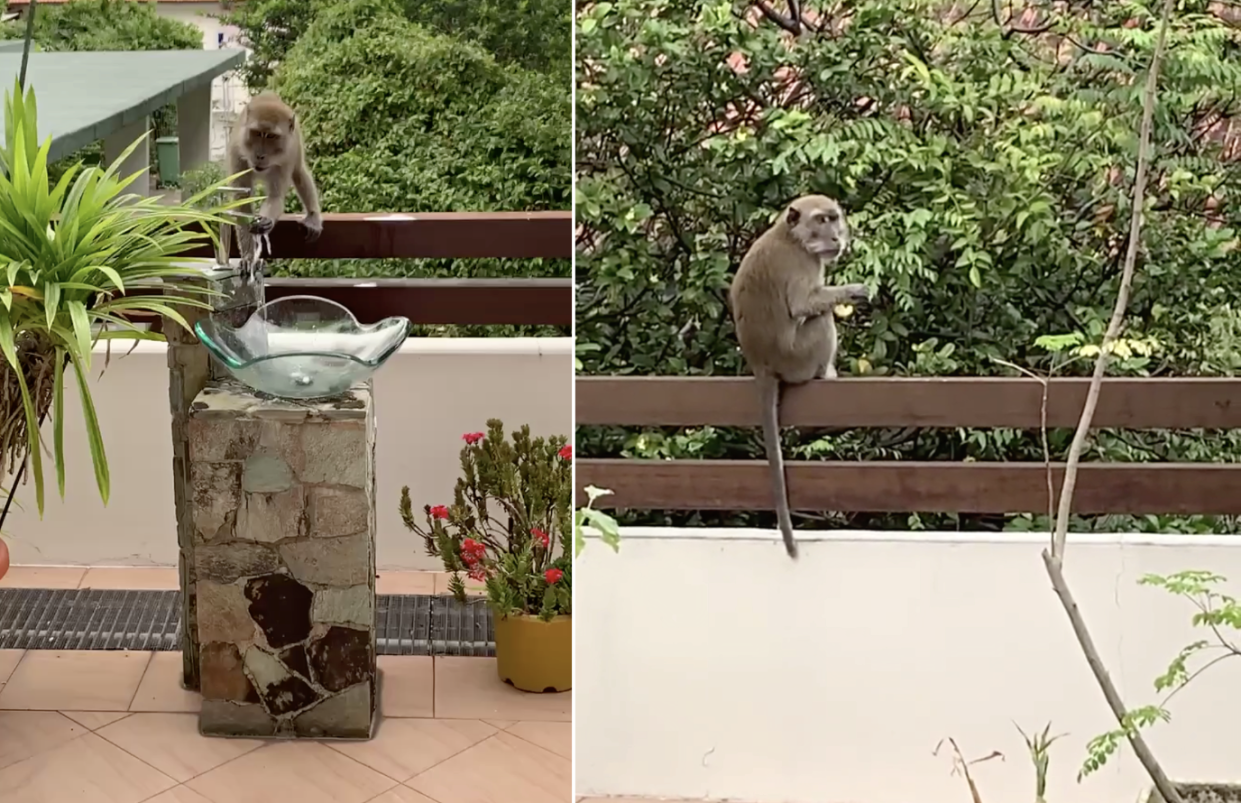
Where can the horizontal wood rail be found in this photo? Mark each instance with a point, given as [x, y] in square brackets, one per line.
[423, 235]
[877, 487]
[896, 486]
[913, 402]
[442, 301]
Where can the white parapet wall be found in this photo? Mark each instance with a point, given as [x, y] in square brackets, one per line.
[708, 665]
[427, 395]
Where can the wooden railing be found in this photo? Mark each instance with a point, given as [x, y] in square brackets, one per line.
[461, 235]
[908, 486]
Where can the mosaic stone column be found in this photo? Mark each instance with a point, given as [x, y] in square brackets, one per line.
[283, 498]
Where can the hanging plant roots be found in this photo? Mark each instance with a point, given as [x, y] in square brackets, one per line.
[37, 358]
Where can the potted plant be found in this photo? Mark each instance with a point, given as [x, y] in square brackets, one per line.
[509, 527]
[78, 256]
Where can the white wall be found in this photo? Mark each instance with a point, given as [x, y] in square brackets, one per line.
[710, 665]
[228, 92]
[427, 396]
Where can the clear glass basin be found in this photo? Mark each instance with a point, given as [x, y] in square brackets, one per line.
[301, 347]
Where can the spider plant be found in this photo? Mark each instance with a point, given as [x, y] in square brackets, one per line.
[78, 257]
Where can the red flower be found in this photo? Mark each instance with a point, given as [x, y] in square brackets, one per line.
[473, 437]
[566, 452]
[439, 512]
[478, 573]
[473, 548]
[552, 576]
[541, 537]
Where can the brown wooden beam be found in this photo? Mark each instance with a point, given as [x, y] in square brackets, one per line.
[442, 301]
[423, 235]
[437, 301]
[914, 402]
[872, 487]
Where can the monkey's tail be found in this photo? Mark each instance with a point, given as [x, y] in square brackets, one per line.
[770, 391]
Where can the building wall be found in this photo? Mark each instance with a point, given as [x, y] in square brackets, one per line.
[228, 92]
[715, 667]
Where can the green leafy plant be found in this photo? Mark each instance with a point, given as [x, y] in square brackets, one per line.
[609, 530]
[1039, 745]
[78, 255]
[508, 524]
[1217, 612]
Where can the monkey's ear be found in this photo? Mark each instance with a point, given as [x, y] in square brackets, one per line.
[792, 216]
[292, 123]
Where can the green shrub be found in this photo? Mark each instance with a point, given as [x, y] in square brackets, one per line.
[398, 118]
[533, 34]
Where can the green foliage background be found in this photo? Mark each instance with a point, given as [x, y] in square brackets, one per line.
[400, 116]
[987, 183]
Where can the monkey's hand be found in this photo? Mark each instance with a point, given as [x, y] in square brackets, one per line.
[856, 293]
[313, 224]
[262, 225]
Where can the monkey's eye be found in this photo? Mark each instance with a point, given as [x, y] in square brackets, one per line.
[833, 216]
[820, 218]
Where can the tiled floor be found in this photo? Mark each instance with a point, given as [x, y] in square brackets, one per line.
[163, 578]
[116, 727]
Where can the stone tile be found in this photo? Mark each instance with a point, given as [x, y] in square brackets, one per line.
[180, 794]
[401, 794]
[503, 767]
[470, 688]
[554, 736]
[94, 720]
[223, 613]
[341, 657]
[75, 680]
[407, 685]
[137, 579]
[502, 724]
[396, 582]
[402, 748]
[161, 690]
[84, 770]
[43, 577]
[299, 772]
[171, 744]
[27, 733]
[473, 588]
[9, 659]
[329, 561]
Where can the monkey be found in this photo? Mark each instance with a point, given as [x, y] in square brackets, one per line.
[783, 313]
[268, 142]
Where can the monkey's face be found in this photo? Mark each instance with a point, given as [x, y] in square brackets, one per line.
[265, 145]
[819, 224]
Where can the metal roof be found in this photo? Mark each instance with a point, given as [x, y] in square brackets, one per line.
[86, 96]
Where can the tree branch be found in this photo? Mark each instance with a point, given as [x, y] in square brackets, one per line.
[791, 24]
[1053, 559]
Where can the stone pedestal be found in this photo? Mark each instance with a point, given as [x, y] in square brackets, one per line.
[283, 501]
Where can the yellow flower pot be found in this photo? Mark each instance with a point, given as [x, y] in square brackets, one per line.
[534, 655]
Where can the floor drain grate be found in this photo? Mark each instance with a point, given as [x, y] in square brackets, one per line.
[104, 619]
[458, 629]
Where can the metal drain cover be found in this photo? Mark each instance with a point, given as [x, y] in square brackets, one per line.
[105, 619]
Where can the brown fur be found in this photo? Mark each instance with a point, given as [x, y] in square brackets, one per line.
[268, 142]
[783, 313]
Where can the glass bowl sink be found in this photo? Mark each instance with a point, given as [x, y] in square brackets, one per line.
[301, 347]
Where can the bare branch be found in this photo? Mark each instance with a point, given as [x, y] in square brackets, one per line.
[1053, 558]
[792, 25]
